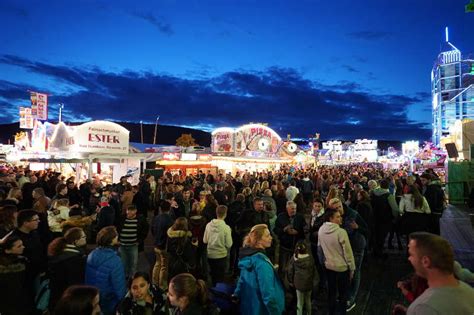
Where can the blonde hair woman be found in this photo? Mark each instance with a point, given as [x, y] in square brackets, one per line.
[259, 289]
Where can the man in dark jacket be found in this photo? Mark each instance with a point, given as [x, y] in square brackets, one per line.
[161, 223]
[140, 200]
[290, 228]
[434, 194]
[35, 251]
[385, 210]
[106, 216]
[251, 217]
[219, 194]
[74, 195]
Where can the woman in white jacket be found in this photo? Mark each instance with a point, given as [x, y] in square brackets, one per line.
[338, 259]
[59, 212]
[415, 211]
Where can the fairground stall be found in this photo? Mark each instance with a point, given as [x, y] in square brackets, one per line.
[251, 147]
[96, 148]
[254, 147]
[338, 152]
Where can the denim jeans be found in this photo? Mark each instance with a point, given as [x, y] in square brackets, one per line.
[338, 282]
[355, 283]
[358, 243]
[129, 255]
[304, 301]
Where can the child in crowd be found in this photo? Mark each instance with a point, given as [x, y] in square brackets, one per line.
[301, 275]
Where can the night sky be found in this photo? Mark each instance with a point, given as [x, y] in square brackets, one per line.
[345, 69]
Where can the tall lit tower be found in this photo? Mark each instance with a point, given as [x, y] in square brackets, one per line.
[452, 90]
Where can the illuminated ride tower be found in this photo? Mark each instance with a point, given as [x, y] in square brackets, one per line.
[452, 90]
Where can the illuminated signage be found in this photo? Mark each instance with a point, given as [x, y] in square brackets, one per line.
[188, 156]
[168, 156]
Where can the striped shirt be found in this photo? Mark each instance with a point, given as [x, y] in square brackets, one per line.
[129, 235]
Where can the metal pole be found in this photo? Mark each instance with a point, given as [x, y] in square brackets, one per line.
[141, 130]
[156, 126]
[61, 106]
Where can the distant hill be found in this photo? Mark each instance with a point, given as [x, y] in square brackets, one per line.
[164, 134]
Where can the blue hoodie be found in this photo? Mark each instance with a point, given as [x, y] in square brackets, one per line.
[259, 288]
[104, 270]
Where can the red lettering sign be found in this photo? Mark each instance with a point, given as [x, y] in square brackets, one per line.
[93, 137]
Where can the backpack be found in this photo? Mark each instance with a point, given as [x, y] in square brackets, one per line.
[307, 187]
[43, 294]
[381, 208]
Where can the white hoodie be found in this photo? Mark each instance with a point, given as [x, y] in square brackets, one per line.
[218, 238]
[336, 247]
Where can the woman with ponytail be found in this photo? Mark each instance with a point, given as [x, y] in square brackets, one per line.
[66, 262]
[189, 296]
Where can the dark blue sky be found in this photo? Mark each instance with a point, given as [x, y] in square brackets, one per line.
[346, 69]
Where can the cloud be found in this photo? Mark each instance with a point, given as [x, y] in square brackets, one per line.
[350, 68]
[161, 25]
[282, 97]
[369, 35]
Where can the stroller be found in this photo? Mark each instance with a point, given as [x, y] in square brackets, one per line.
[221, 296]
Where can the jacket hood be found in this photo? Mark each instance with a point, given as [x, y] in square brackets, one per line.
[303, 261]
[247, 257]
[178, 233]
[380, 191]
[12, 264]
[216, 225]
[248, 251]
[329, 227]
[435, 182]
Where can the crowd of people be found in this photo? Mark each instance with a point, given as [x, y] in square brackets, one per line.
[249, 243]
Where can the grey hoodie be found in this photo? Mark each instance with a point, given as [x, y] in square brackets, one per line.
[336, 247]
[218, 238]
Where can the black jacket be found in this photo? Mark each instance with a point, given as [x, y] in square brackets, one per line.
[64, 270]
[220, 197]
[182, 254]
[35, 253]
[435, 196]
[248, 219]
[14, 296]
[298, 222]
[106, 217]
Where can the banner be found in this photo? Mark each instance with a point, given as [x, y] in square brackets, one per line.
[101, 137]
[26, 118]
[39, 105]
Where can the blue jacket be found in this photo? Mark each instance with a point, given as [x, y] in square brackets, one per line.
[104, 270]
[259, 288]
